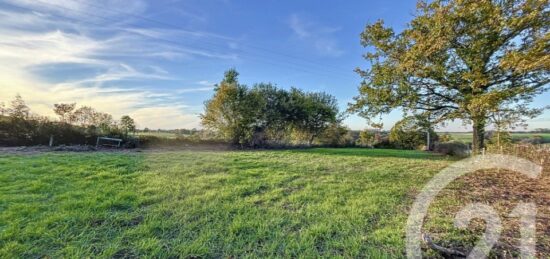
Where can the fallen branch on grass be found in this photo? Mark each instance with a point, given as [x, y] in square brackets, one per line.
[447, 251]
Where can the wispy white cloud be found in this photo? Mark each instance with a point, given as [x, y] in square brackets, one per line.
[205, 86]
[82, 7]
[206, 82]
[165, 118]
[113, 54]
[158, 70]
[24, 49]
[299, 27]
[178, 33]
[123, 72]
[319, 36]
[196, 89]
[191, 15]
[149, 108]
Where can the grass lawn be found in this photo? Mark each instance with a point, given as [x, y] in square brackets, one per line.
[328, 202]
[294, 203]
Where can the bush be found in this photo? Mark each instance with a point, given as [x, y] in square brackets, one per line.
[336, 135]
[498, 138]
[78, 127]
[37, 131]
[452, 148]
[534, 140]
[368, 138]
[384, 142]
[410, 133]
[253, 117]
[445, 138]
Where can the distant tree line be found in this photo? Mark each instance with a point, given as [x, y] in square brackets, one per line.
[265, 115]
[171, 131]
[19, 126]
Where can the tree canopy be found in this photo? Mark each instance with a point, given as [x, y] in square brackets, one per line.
[127, 124]
[252, 116]
[458, 59]
[64, 110]
[411, 133]
[19, 109]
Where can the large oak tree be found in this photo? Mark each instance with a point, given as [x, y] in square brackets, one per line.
[457, 59]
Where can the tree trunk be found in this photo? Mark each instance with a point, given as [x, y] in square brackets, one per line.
[478, 140]
[310, 140]
[498, 138]
[428, 141]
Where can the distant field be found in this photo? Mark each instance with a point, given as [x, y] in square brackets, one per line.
[182, 204]
[158, 134]
[467, 137]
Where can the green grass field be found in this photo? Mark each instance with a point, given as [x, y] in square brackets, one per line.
[289, 203]
[298, 203]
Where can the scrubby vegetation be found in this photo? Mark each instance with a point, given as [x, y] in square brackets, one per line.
[271, 127]
[20, 127]
[452, 148]
[412, 133]
[265, 115]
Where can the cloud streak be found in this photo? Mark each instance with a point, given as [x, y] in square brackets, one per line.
[41, 36]
[318, 36]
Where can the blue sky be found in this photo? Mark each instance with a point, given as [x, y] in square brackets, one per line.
[158, 60]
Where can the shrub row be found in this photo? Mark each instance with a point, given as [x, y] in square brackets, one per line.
[15, 132]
